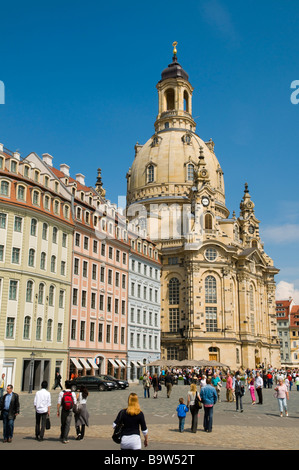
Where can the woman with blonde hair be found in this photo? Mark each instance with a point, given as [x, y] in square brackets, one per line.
[133, 420]
[191, 404]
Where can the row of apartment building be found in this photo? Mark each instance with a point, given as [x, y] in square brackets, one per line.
[287, 314]
[79, 286]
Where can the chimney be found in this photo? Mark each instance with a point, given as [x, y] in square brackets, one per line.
[16, 155]
[80, 178]
[47, 158]
[65, 169]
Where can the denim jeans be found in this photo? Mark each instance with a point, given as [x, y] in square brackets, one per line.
[208, 418]
[282, 403]
[181, 424]
[8, 426]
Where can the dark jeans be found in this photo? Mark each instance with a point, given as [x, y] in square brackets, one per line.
[8, 426]
[40, 424]
[260, 395]
[208, 418]
[80, 431]
[146, 392]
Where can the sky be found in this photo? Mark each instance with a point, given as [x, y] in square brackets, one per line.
[80, 84]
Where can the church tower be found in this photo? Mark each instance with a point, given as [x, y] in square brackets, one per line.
[217, 283]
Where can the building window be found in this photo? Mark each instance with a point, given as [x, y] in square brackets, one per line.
[13, 290]
[150, 174]
[82, 330]
[211, 254]
[45, 231]
[33, 227]
[211, 318]
[4, 188]
[174, 320]
[210, 290]
[3, 221]
[59, 332]
[73, 329]
[21, 193]
[174, 291]
[53, 263]
[43, 260]
[51, 296]
[18, 224]
[41, 290]
[208, 222]
[15, 258]
[38, 331]
[190, 172]
[26, 330]
[31, 257]
[49, 329]
[29, 291]
[10, 327]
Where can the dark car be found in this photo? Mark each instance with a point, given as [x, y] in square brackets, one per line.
[91, 382]
[119, 382]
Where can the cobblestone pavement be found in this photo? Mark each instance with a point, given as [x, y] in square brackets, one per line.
[259, 427]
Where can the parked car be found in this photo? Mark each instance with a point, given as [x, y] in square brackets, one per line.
[91, 382]
[119, 382]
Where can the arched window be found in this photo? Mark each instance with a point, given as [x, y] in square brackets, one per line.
[210, 290]
[150, 173]
[33, 227]
[29, 291]
[190, 172]
[51, 296]
[174, 291]
[186, 101]
[26, 331]
[4, 188]
[53, 263]
[38, 332]
[54, 234]
[251, 298]
[21, 193]
[31, 257]
[49, 329]
[208, 222]
[41, 290]
[169, 95]
[43, 260]
[45, 231]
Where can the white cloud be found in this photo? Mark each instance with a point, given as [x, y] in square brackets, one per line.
[285, 290]
[287, 233]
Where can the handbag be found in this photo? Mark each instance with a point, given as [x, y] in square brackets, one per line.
[48, 423]
[197, 402]
[117, 433]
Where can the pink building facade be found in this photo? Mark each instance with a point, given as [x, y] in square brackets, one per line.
[99, 299]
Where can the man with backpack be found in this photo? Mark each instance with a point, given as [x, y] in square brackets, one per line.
[66, 401]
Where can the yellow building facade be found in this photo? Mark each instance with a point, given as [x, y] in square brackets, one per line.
[217, 284]
[36, 242]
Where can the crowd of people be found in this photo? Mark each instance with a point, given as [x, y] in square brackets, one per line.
[205, 387]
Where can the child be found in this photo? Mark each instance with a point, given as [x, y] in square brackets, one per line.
[182, 409]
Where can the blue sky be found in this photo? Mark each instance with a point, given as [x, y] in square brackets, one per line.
[80, 83]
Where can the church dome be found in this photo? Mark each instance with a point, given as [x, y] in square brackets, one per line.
[164, 167]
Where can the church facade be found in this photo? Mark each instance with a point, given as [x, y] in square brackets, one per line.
[217, 282]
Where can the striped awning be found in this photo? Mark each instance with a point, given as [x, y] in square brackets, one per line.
[76, 363]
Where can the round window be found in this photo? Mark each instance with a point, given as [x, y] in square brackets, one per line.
[211, 254]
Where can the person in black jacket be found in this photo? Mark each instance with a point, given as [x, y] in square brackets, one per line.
[10, 408]
[168, 383]
[133, 421]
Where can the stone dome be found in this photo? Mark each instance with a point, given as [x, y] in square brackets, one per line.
[170, 154]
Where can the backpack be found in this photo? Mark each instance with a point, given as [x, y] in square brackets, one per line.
[67, 401]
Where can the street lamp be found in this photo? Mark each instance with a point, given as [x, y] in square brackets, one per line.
[31, 370]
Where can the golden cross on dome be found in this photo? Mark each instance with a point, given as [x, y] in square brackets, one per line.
[174, 47]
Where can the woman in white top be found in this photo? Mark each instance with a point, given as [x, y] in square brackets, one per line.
[81, 413]
[190, 403]
[282, 397]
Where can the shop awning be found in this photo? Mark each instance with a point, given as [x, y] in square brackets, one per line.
[135, 364]
[120, 363]
[84, 363]
[92, 363]
[113, 363]
[76, 363]
[125, 363]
